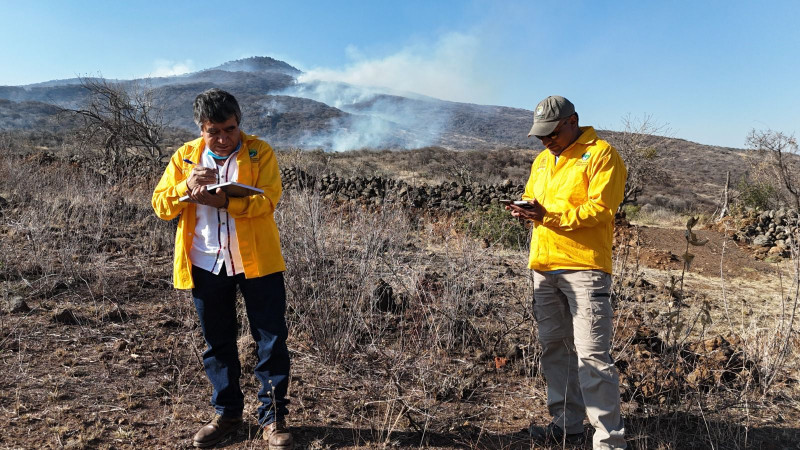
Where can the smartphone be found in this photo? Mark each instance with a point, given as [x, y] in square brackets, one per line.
[520, 203]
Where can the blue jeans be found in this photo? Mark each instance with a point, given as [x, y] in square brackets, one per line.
[265, 302]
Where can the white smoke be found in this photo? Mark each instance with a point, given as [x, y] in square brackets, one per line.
[448, 70]
[273, 107]
[375, 119]
[166, 68]
[382, 95]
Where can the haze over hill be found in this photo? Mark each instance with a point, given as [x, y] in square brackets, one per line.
[307, 114]
[316, 114]
[290, 112]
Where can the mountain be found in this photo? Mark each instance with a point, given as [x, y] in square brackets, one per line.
[25, 115]
[291, 113]
[288, 112]
[258, 64]
[278, 105]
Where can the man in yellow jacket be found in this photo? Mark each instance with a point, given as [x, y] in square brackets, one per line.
[574, 189]
[223, 242]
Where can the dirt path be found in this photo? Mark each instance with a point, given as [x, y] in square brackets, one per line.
[662, 248]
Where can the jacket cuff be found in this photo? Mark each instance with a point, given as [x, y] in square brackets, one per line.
[182, 188]
[552, 219]
[236, 204]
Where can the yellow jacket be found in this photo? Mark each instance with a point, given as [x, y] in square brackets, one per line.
[581, 194]
[259, 243]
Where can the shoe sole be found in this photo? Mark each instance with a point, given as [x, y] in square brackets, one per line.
[280, 447]
[571, 439]
[207, 443]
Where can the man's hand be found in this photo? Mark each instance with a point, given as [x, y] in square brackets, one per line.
[203, 196]
[201, 176]
[535, 212]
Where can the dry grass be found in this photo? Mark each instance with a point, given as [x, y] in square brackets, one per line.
[406, 329]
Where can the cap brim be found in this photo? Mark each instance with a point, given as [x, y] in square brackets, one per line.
[543, 128]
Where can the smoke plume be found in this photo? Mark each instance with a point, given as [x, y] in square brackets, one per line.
[393, 101]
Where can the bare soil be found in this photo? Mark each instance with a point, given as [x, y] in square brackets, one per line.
[82, 372]
[663, 248]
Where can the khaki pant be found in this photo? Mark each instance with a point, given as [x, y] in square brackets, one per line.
[574, 315]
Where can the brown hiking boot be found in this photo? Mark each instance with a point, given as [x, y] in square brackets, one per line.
[278, 436]
[216, 430]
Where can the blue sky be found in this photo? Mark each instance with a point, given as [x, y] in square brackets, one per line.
[708, 70]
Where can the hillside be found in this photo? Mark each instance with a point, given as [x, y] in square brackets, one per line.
[336, 116]
[276, 108]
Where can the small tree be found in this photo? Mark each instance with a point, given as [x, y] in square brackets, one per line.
[639, 144]
[121, 117]
[783, 156]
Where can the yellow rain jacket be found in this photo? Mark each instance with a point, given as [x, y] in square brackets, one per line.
[259, 243]
[581, 193]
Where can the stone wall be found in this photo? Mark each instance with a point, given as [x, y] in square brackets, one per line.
[377, 190]
[772, 232]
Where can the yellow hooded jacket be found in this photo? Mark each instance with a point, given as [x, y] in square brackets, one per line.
[581, 193]
[259, 243]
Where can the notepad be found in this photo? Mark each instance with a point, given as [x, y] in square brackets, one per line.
[232, 189]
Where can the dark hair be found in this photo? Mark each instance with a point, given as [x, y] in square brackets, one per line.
[216, 105]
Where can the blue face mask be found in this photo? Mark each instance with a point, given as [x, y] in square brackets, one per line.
[222, 158]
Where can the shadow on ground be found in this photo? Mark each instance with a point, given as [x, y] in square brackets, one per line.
[674, 431]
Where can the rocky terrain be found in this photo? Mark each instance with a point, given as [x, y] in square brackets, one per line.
[773, 232]
[377, 190]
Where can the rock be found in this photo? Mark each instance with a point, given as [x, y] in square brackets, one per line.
[121, 345]
[169, 323]
[762, 241]
[117, 315]
[701, 376]
[17, 305]
[66, 317]
[513, 352]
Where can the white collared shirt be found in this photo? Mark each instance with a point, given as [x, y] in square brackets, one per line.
[215, 239]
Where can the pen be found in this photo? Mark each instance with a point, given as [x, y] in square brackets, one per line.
[189, 161]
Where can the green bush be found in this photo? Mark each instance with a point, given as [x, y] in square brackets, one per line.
[495, 226]
[757, 195]
[631, 211]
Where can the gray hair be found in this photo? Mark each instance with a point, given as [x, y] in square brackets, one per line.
[216, 105]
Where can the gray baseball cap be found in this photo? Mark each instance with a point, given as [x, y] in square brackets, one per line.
[548, 113]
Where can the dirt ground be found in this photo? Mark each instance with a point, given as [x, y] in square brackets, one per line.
[662, 249]
[79, 372]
